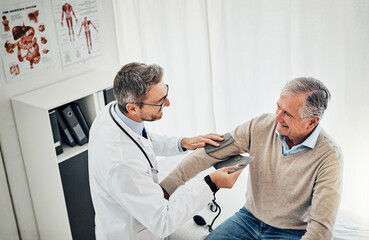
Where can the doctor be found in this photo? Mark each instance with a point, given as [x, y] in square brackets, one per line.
[129, 203]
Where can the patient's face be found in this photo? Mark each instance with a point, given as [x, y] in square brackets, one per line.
[288, 119]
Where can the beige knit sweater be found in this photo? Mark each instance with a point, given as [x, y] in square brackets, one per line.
[300, 191]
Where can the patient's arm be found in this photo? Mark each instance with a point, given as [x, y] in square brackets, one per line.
[189, 167]
[199, 160]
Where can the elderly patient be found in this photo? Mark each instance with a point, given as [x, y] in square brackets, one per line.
[294, 183]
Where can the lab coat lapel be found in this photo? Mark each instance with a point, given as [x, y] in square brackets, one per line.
[149, 149]
[145, 143]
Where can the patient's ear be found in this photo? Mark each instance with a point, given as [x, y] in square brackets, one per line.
[313, 122]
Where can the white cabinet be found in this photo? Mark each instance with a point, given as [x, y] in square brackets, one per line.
[31, 111]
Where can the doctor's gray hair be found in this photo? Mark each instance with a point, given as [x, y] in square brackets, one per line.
[133, 81]
[317, 98]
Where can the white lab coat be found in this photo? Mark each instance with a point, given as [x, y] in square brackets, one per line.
[128, 203]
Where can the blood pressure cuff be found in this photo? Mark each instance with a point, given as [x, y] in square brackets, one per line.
[228, 161]
[198, 161]
[228, 139]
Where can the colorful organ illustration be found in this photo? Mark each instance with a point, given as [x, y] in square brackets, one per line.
[41, 28]
[14, 69]
[33, 16]
[26, 44]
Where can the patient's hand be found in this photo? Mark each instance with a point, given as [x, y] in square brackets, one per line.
[200, 141]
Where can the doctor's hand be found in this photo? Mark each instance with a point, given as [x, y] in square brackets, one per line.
[193, 143]
[223, 179]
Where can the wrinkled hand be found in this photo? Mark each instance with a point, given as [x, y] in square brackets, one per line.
[223, 179]
[200, 141]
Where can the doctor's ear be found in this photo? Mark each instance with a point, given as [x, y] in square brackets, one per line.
[131, 108]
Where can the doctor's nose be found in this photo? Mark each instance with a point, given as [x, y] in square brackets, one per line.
[167, 102]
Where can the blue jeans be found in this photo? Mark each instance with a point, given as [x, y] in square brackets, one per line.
[243, 225]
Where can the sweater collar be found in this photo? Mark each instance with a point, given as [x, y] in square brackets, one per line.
[309, 142]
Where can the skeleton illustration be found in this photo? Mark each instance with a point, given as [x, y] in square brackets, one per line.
[26, 44]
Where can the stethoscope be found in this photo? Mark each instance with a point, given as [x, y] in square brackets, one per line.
[153, 170]
[198, 219]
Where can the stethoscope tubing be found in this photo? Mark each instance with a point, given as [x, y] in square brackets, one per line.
[138, 145]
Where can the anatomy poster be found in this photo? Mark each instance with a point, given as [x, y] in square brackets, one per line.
[78, 29]
[25, 42]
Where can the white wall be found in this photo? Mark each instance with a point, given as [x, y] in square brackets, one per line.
[8, 227]
[12, 155]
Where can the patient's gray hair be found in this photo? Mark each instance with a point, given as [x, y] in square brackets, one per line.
[133, 81]
[317, 99]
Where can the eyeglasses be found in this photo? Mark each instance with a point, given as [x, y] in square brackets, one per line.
[156, 105]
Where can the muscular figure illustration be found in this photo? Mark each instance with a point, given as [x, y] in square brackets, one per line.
[6, 24]
[27, 44]
[86, 24]
[68, 10]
